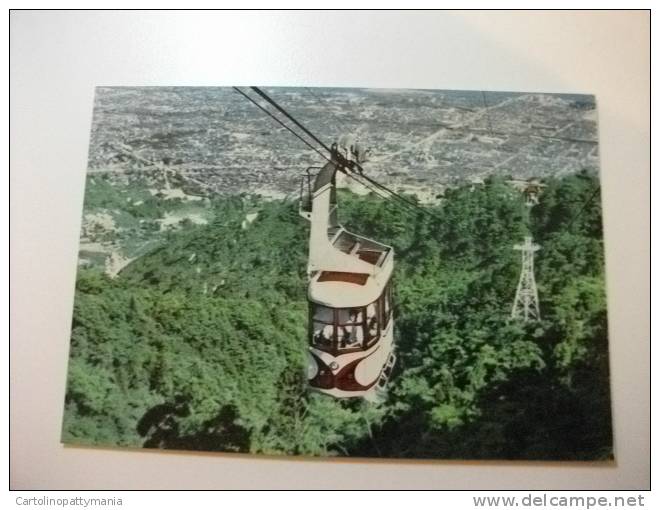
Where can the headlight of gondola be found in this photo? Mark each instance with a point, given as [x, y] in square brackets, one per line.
[322, 377]
[312, 367]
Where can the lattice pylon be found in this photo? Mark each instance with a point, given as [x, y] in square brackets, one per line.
[526, 303]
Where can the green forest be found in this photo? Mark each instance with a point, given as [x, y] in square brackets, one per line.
[201, 342]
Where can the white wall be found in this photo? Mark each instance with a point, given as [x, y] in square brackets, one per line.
[58, 58]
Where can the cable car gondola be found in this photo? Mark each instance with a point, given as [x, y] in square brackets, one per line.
[351, 324]
[350, 294]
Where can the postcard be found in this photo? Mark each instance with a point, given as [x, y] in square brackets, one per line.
[342, 272]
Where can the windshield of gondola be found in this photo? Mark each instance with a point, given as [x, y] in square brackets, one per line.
[350, 332]
[323, 326]
[347, 328]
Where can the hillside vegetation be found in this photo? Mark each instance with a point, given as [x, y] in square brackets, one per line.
[200, 343]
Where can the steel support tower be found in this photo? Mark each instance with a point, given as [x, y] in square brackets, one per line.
[526, 303]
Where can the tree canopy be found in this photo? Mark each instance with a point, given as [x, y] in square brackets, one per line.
[201, 343]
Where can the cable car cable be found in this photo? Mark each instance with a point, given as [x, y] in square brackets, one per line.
[290, 117]
[311, 146]
[404, 200]
[316, 150]
[281, 123]
[372, 181]
[584, 206]
[376, 192]
[408, 204]
[322, 103]
[311, 135]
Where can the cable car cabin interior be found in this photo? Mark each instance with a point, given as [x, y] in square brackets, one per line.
[346, 330]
